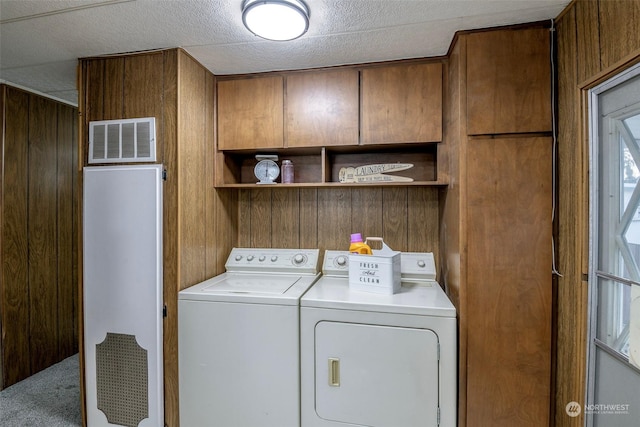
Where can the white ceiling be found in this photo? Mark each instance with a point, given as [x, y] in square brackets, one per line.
[41, 40]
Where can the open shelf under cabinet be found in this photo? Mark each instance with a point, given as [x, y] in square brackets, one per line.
[320, 167]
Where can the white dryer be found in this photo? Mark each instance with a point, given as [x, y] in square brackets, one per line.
[378, 360]
[239, 340]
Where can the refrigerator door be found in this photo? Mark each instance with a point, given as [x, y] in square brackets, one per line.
[122, 291]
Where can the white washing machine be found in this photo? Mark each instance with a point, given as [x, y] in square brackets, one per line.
[378, 360]
[239, 340]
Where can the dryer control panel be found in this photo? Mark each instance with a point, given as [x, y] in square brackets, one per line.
[273, 260]
[418, 265]
[336, 263]
[413, 265]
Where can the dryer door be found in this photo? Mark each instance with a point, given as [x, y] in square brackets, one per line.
[378, 376]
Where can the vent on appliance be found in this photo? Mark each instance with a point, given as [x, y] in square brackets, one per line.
[122, 141]
[122, 380]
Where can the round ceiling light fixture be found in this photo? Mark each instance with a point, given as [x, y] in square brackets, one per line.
[276, 19]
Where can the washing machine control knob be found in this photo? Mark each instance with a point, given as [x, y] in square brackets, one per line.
[250, 258]
[299, 259]
[341, 261]
[262, 258]
[274, 258]
[421, 264]
[238, 257]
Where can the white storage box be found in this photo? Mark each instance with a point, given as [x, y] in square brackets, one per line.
[378, 273]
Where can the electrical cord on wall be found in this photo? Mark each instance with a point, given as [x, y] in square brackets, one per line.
[554, 147]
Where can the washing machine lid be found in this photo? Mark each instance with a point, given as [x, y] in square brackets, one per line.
[414, 297]
[249, 283]
[251, 288]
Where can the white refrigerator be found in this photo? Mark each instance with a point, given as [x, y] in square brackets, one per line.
[122, 295]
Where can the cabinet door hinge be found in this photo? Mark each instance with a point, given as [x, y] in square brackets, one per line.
[164, 310]
[164, 174]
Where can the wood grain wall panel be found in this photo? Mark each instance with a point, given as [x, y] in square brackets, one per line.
[285, 218]
[366, 213]
[226, 234]
[42, 213]
[334, 217]
[261, 218]
[619, 35]
[453, 229]
[509, 243]
[192, 167]
[588, 50]
[66, 243]
[143, 85]
[423, 222]
[211, 197]
[94, 81]
[77, 235]
[394, 217]
[38, 296]
[167, 135]
[244, 218]
[14, 299]
[309, 217]
[407, 218]
[113, 89]
[570, 292]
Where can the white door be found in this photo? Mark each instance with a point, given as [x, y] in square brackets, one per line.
[376, 376]
[614, 273]
[122, 288]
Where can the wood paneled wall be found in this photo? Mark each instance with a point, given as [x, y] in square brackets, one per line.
[596, 39]
[200, 223]
[38, 220]
[406, 217]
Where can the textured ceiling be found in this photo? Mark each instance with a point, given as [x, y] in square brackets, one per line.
[41, 40]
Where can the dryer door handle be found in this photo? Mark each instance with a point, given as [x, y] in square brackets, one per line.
[334, 372]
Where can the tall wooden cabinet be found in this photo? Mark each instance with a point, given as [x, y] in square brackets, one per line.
[497, 224]
[38, 234]
[199, 222]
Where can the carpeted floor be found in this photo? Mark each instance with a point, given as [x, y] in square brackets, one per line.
[50, 398]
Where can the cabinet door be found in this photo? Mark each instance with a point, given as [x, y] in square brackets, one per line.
[508, 82]
[509, 285]
[250, 113]
[322, 108]
[402, 103]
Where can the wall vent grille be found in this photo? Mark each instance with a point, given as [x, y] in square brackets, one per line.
[122, 141]
[122, 380]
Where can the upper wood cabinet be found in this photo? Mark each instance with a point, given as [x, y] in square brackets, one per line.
[322, 108]
[250, 113]
[508, 81]
[401, 103]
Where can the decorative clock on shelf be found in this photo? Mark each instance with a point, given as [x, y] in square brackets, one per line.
[266, 170]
